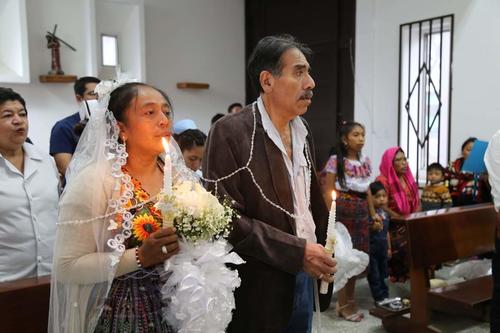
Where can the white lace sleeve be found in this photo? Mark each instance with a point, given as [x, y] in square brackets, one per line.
[76, 259]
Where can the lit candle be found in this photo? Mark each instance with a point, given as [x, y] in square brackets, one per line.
[167, 169]
[333, 213]
[330, 236]
[167, 217]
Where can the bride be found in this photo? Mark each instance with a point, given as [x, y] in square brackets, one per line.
[109, 242]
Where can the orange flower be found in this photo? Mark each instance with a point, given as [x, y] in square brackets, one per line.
[155, 211]
[141, 195]
[144, 225]
[136, 183]
[129, 204]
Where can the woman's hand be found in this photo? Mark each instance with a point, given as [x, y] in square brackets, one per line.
[150, 252]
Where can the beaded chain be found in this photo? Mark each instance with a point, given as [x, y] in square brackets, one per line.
[119, 155]
[247, 168]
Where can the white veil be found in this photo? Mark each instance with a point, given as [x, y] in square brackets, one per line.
[94, 221]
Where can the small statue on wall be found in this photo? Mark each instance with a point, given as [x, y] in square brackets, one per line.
[54, 43]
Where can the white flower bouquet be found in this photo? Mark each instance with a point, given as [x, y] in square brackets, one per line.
[199, 290]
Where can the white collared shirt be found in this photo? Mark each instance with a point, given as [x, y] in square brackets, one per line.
[28, 215]
[297, 171]
[492, 161]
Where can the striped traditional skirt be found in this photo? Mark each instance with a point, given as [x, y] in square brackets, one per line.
[352, 211]
[134, 305]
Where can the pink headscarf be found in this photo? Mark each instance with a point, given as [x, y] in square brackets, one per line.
[395, 187]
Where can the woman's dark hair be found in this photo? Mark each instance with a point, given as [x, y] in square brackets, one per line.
[466, 142]
[375, 187]
[345, 129]
[190, 138]
[7, 94]
[267, 56]
[122, 96]
[120, 100]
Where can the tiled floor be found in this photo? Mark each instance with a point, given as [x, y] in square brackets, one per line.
[330, 322]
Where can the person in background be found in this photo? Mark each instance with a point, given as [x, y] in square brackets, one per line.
[234, 108]
[403, 199]
[191, 141]
[183, 125]
[29, 195]
[467, 188]
[216, 117]
[63, 138]
[192, 144]
[349, 173]
[435, 194]
[380, 244]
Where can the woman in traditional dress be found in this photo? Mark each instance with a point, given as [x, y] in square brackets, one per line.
[402, 192]
[110, 244]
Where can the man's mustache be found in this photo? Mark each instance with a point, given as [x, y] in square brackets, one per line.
[308, 94]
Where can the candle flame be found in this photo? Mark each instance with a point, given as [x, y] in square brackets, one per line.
[334, 195]
[165, 145]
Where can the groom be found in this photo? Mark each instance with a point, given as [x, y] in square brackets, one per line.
[282, 216]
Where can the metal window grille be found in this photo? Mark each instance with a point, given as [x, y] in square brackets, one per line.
[424, 104]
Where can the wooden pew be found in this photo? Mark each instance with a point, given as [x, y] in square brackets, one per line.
[435, 237]
[24, 305]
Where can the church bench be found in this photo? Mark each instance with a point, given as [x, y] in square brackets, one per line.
[24, 305]
[470, 297]
[439, 236]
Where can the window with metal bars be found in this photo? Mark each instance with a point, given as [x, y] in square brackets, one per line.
[425, 58]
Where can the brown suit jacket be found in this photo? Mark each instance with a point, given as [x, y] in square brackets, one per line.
[263, 236]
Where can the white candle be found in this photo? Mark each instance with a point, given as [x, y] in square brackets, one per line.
[168, 220]
[330, 236]
[167, 169]
[333, 214]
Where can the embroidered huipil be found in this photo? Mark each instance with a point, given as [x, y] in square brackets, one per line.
[358, 173]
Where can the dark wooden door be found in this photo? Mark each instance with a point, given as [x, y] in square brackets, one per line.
[327, 27]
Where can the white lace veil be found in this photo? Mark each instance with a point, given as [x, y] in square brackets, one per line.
[94, 221]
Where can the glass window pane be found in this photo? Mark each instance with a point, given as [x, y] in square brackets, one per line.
[109, 50]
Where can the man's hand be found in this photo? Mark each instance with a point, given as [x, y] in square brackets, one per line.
[318, 264]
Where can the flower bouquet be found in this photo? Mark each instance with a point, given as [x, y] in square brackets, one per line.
[199, 290]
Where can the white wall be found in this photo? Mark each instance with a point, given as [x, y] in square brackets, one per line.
[14, 59]
[476, 68]
[49, 102]
[186, 40]
[199, 41]
[121, 19]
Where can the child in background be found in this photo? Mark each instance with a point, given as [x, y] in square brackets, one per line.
[349, 172]
[380, 245]
[436, 194]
